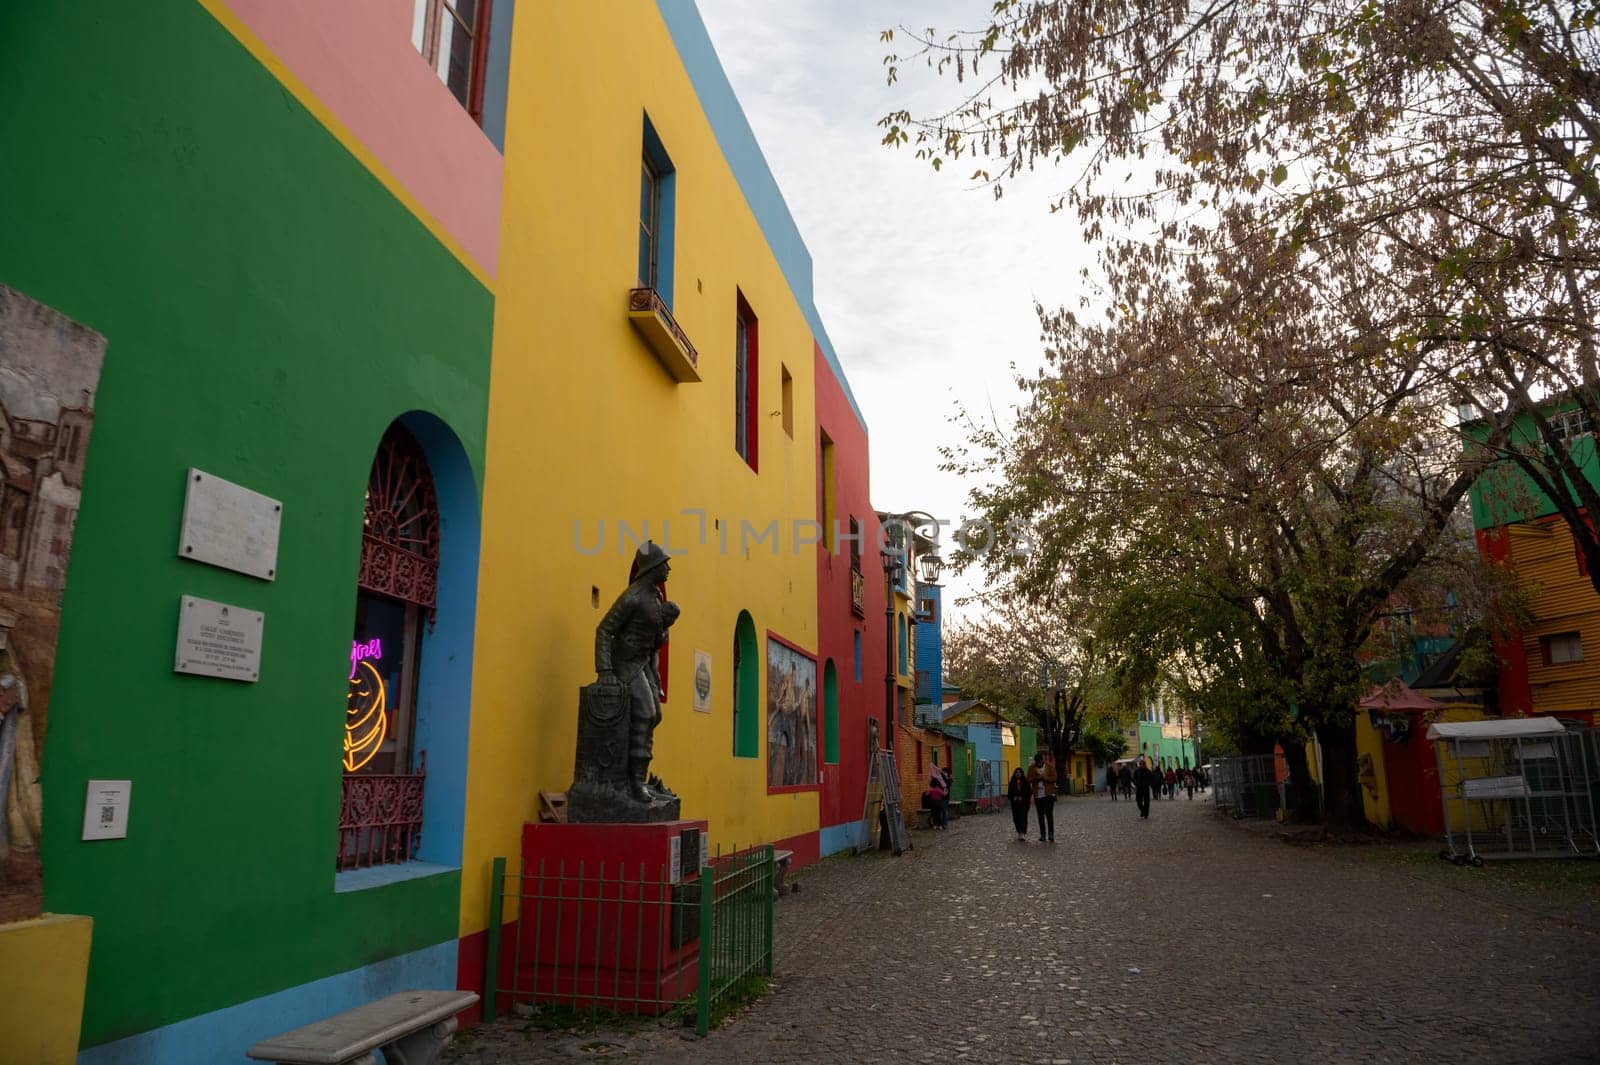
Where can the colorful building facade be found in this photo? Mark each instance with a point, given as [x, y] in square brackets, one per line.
[335, 267]
[1543, 669]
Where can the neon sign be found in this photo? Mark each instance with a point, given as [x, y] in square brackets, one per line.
[366, 714]
[372, 648]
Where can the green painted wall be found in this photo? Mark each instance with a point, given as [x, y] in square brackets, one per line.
[269, 309]
[1503, 494]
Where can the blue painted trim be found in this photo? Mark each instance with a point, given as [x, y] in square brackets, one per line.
[383, 875]
[666, 224]
[221, 1037]
[857, 635]
[444, 689]
[743, 153]
[835, 838]
[497, 72]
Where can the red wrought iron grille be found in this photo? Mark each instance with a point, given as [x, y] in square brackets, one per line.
[380, 817]
[400, 534]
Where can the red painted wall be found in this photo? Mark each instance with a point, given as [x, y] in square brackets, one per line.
[1511, 659]
[844, 785]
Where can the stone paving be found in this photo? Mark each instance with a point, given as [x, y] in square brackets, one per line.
[1181, 939]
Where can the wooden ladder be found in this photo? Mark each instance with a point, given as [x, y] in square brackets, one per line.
[883, 791]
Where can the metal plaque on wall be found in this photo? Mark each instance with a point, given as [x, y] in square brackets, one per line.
[228, 525]
[218, 640]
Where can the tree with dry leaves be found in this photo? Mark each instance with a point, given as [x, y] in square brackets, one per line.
[1037, 660]
[1337, 225]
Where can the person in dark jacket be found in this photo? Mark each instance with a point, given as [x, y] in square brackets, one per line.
[1019, 795]
[1111, 780]
[1144, 779]
[1125, 779]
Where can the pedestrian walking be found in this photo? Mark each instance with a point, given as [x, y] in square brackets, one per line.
[1190, 780]
[1020, 797]
[1144, 779]
[1111, 780]
[1125, 778]
[1042, 780]
[939, 795]
[1172, 783]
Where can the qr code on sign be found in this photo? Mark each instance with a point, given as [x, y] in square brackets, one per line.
[108, 814]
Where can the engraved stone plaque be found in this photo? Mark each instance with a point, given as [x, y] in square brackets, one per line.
[227, 525]
[218, 640]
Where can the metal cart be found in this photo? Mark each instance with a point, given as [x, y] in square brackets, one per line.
[1514, 788]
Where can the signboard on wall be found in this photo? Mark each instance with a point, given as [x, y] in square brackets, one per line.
[228, 525]
[218, 640]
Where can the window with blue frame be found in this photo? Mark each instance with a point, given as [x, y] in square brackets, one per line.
[656, 208]
[857, 635]
[902, 643]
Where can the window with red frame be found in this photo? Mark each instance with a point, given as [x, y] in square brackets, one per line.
[453, 37]
[745, 392]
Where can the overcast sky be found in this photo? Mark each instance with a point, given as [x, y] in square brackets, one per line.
[926, 285]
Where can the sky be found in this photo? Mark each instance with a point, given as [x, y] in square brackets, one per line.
[927, 285]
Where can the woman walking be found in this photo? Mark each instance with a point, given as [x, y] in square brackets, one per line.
[1018, 794]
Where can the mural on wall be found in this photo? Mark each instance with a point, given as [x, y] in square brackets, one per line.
[49, 370]
[791, 717]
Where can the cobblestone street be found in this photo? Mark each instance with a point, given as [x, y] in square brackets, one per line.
[1178, 939]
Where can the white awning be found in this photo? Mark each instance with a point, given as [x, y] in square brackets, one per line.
[1499, 728]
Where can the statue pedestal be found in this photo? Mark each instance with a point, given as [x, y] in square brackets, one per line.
[611, 914]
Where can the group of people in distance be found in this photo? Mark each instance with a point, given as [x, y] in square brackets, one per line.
[1144, 778]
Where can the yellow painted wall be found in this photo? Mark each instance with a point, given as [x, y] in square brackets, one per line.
[1373, 776]
[43, 965]
[1563, 601]
[903, 615]
[586, 426]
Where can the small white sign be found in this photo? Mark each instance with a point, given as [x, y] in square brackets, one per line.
[105, 809]
[218, 640]
[1509, 787]
[705, 849]
[227, 525]
[675, 860]
[702, 681]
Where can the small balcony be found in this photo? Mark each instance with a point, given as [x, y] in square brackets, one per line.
[653, 320]
[858, 592]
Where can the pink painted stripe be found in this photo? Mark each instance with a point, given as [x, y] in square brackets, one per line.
[357, 58]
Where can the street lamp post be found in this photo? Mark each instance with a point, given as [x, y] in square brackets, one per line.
[891, 577]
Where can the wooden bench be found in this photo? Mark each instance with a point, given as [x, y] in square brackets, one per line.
[411, 1028]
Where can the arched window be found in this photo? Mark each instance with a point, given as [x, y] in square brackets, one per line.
[830, 714]
[746, 689]
[380, 818]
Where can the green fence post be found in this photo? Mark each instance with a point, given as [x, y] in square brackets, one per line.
[702, 1015]
[767, 903]
[491, 952]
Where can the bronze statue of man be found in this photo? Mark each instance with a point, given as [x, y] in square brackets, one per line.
[626, 646]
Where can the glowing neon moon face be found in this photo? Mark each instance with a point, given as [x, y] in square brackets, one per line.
[366, 716]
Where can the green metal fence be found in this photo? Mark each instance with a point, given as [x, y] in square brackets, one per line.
[607, 939]
[735, 926]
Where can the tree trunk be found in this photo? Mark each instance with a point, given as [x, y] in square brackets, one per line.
[1060, 757]
[1302, 792]
[1341, 789]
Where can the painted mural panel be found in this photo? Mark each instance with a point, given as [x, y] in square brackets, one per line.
[791, 717]
[49, 370]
